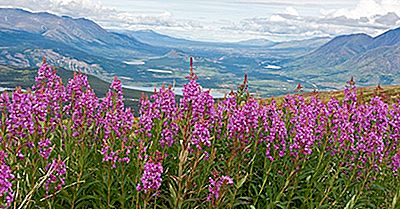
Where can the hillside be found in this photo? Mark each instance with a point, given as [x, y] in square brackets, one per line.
[389, 94]
[389, 38]
[79, 33]
[338, 50]
[371, 60]
[147, 58]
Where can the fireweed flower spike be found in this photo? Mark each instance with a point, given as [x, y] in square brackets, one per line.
[151, 179]
[162, 108]
[243, 121]
[274, 130]
[82, 105]
[45, 148]
[56, 179]
[20, 121]
[199, 104]
[48, 96]
[4, 103]
[146, 116]
[116, 122]
[201, 135]
[215, 186]
[6, 176]
[394, 146]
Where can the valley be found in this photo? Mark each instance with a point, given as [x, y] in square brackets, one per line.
[144, 59]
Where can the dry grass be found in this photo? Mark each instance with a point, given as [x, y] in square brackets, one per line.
[390, 94]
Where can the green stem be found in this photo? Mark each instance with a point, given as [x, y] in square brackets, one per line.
[264, 181]
[311, 190]
[344, 190]
[123, 187]
[109, 188]
[288, 180]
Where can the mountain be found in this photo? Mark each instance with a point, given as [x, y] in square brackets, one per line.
[378, 65]
[252, 48]
[79, 33]
[144, 59]
[23, 49]
[370, 60]
[157, 39]
[309, 44]
[338, 50]
[389, 38]
[64, 29]
[74, 44]
[257, 42]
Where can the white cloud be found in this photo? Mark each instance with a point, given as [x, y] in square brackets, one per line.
[364, 8]
[299, 27]
[294, 3]
[276, 18]
[288, 22]
[368, 16]
[75, 8]
[105, 16]
[291, 11]
[370, 8]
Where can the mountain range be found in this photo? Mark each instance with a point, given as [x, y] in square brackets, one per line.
[145, 58]
[371, 60]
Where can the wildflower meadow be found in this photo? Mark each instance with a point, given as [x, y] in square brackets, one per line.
[63, 147]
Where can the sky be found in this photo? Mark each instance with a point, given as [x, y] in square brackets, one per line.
[231, 20]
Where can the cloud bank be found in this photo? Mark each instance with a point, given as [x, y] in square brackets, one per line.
[367, 16]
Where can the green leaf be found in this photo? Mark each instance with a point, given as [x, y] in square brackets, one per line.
[394, 202]
[351, 203]
[241, 182]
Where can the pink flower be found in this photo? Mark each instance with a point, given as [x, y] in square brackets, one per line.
[151, 179]
[215, 186]
[58, 172]
[6, 176]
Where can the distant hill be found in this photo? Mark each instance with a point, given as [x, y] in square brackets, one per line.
[64, 29]
[312, 43]
[146, 58]
[78, 33]
[257, 42]
[157, 39]
[371, 60]
[74, 44]
[378, 65]
[389, 38]
[338, 50]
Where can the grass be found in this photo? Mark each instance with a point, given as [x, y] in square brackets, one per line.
[389, 94]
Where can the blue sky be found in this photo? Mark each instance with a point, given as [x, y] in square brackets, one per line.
[231, 20]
